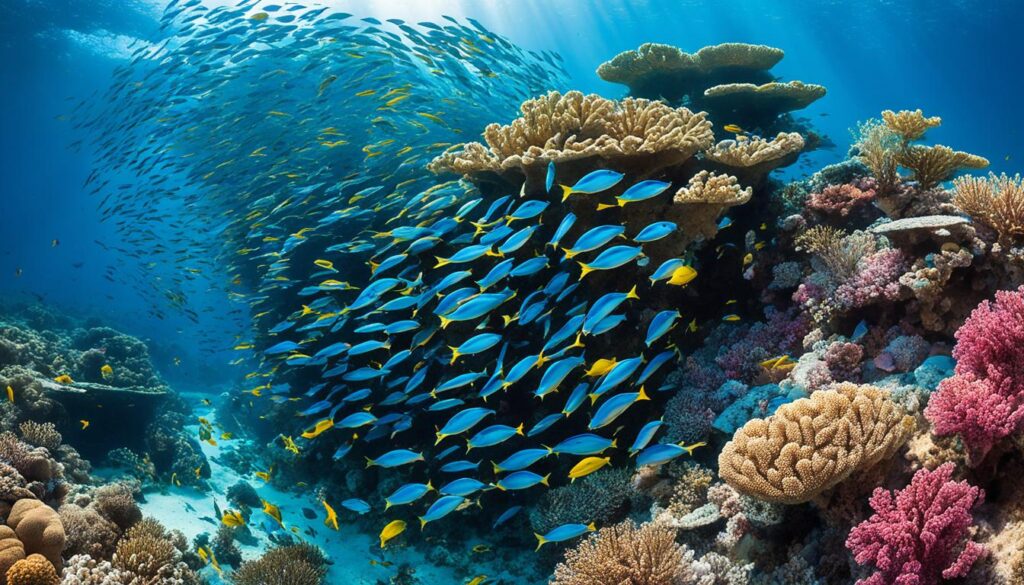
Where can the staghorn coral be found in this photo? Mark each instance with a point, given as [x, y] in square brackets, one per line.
[909, 125]
[572, 127]
[997, 201]
[624, 553]
[32, 570]
[812, 444]
[39, 528]
[301, 564]
[983, 402]
[920, 533]
[931, 165]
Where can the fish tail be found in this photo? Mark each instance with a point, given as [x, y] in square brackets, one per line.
[591, 527]
[387, 505]
[545, 480]
[455, 355]
[423, 522]
[540, 541]
[568, 253]
[603, 206]
[550, 449]
[497, 469]
[566, 191]
[584, 270]
[444, 322]
[615, 443]
[642, 395]
[441, 262]
[430, 486]
[519, 429]
[632, 294]
[369, 463]
[593, 398]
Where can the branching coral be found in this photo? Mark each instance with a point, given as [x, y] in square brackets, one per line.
[624, 553]
[572, 127]
[984, 401]
[287, 565]
[920, 533]
[149, 554]
[930, 165]
[997, 201]
[40, 434]
[814, 443]
[909, 125]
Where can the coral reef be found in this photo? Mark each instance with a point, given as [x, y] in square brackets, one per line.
[287, 565]
[625, 553]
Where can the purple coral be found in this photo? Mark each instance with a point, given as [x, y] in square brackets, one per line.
[984, 400]
[920, 533]
[843, 360]
[877, 279]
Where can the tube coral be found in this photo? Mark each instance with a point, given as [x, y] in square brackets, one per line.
[984, 400]
[919, 533]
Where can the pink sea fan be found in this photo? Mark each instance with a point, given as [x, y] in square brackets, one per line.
[920, 533]
[877, 279]
[839, 199]
[984, 400]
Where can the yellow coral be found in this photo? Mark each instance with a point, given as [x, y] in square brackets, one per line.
[930, 165]
[570, 127]
[911, 125]
[769, 99]
[624, 553]
[650, 59]
[997, 201]
[32, 570]
[812, 444]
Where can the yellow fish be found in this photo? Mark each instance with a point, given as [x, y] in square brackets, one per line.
[175, 480]
[289, 444]
[601, 367]
[265, 475]
[319, 428]
[107, 371]
[10, 394]
[734, 129]
[682, 276]
[393, 529]
[748, 259]
[259, 16]
[202, 554]
[325, 264]
[233, 519]
[64, 379]
[272, 511]
[477, 580]
[366, 92]
[332, 516]
[84, 423]
[481, 548]
[692, 326]
[731, 318]
[587, 466]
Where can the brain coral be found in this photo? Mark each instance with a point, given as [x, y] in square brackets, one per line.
[814, 443]
[32, 570]
[11, 551]
[39, 528]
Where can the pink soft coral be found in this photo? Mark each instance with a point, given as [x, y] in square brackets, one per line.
[877, 279]
[984, 400]
[839, 199]
[914, 536]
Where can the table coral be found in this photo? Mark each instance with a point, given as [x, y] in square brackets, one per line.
[920, 533]
[812, 444]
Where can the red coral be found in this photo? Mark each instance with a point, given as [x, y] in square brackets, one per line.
[984, 401]
[840, 199]
[914, 535]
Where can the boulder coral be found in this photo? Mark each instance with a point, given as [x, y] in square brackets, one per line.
[39, 529]
[814, 443]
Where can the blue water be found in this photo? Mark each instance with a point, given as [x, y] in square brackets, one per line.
[957, 60]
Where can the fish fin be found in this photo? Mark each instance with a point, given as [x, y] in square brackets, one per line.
[545, 480]
[593, 398]
[603, 206]
[540, 541]
[566, 191]
[441, 262]
[387, 505]
[550, 449]
[615, 443]
[444, 322]
[569, 253]
[519, 430]
[423, 522]
[642, 395]
[455, 355]
[440, 438]
[497, 469]
[591, 527]
[369, 462]
[632, 294]
[584, 270]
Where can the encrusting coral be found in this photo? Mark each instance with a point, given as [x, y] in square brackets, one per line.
[624, 553]
[920, 533]
[812, 444]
